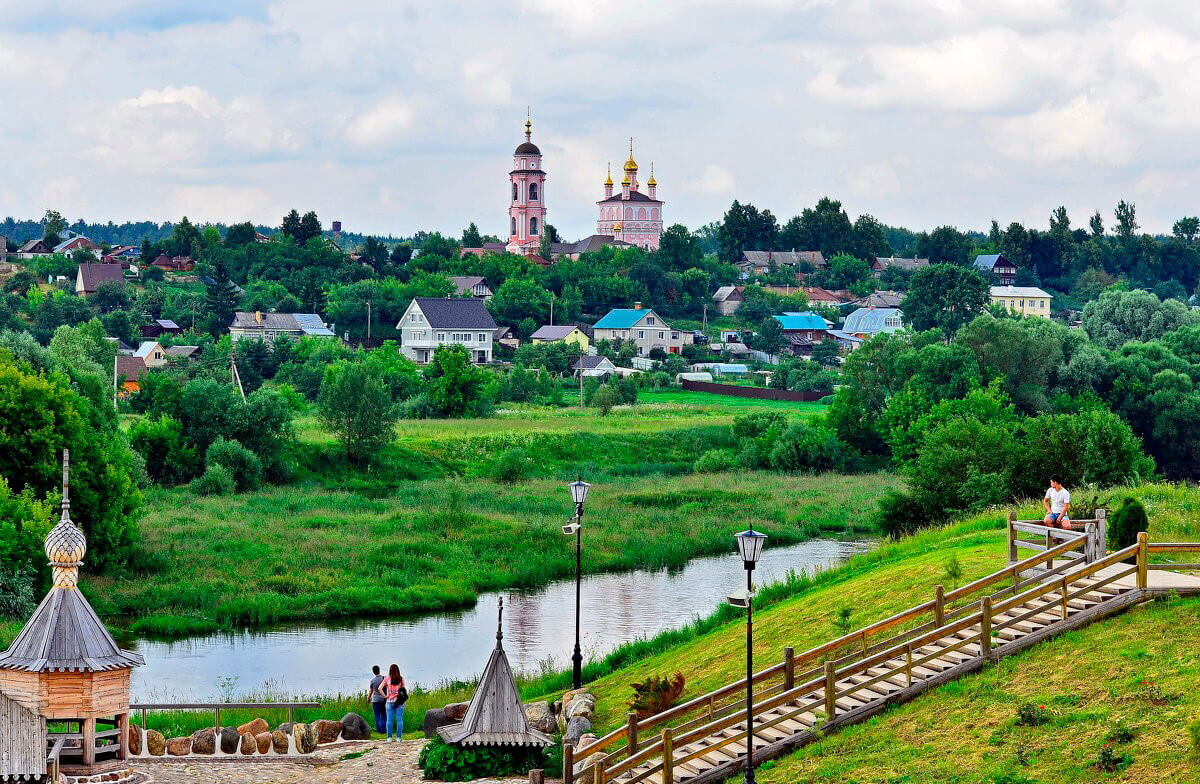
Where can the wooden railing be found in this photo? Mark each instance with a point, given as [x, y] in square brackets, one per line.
[1095, 529]
[52, 759]
[1172, 548]
[217, 707]
[623, 750]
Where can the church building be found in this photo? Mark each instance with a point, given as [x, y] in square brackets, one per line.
[631, 216]
[527, 208]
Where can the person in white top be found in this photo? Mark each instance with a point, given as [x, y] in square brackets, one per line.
[1057, 503]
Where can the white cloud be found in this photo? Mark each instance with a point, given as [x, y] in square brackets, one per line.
[195, 98]
[714, 180]
[387, 122]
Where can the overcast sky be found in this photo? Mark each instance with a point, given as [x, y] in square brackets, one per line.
[396, 116]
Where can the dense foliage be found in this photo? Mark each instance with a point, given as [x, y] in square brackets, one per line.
[451, 762]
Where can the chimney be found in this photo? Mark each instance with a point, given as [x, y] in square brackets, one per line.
[258, 317]
[637, 306]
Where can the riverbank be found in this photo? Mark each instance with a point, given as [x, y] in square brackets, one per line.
[305, 553]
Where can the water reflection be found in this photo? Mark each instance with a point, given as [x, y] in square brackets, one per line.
[324, 659]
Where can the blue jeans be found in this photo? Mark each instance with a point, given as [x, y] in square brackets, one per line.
[380, 716]
[395, 718]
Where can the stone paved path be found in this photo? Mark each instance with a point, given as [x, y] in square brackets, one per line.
[382, 763]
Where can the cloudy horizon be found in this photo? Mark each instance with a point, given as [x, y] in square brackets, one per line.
[396, 117]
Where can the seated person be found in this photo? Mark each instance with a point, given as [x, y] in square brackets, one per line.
[1057, 503]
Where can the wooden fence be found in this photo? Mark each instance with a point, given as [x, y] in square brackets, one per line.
[757, 393]
[1095, 530]
[22, 742]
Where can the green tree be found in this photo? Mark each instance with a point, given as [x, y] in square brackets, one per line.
[1117, 317]
[1126, 217]
[240, 234]
[184, 237]
[310, 227]
[161, 443]
[1096, 224]
[826, 353]
[291, 226]
[457, 388]
[518, 299]
[470, 236]
[770, 336]
[944, 296]
[220, 300]
[945, 244]
[53, 226]
[605, 398]
[356, 405]
[1186, 228]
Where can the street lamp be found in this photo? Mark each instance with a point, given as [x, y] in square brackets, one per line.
[579, 492]
[750, 544]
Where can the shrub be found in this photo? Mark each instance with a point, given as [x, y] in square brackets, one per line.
[1121, 734]
[512, 465]
[716, 461]
[168, 457]
[450, 762]
[242, 464]
[605, 398]
[1108, 760]
[417, 407]
[216, 480]
[357, 406]
[809, 448]
[1030, 714]
[1125, 523]
[655, 694]
[16, 593]
[900, 514]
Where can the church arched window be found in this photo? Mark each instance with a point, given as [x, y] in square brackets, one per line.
[642, 214]
[513, 222]
[629, 213]
[514, 191]
[533, 191]
[654, 214]
[532, 227]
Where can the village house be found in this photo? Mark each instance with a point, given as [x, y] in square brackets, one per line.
[89, 277]
[174, 263]
[642, 326]
[505, 336]
[471, 286]
[32, 249]
[122, 254]
[866, 323]
[825, 297]
[1026, 300]
[882, 263]
[759, 262]
[880, 299]
[565, 333]
[128, 372]
[802, 331]
[729, 299]
[996, 268]
[151, 353]
[268, 326]
[78, 242]
[159, 327]
[430, 322]
[182, 352]
[594, 366]
[571, 250]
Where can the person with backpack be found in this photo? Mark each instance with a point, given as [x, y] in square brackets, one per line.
[377, 700]
[395, 695]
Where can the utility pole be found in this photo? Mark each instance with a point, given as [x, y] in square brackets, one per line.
[115, 380]
[368, 323]
[237, 379]
[552, 310]
[704, 326]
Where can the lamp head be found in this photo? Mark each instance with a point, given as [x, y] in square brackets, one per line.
[579, 491]
[750, 544]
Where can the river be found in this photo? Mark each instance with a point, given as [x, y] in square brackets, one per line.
[329, 658]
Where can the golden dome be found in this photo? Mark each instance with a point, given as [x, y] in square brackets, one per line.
[626, 181]
[631, 164]
[617, 226]
[652, 182]
[608, 179]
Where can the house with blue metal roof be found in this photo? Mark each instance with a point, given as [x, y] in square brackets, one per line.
[641, 325]
[805, 321]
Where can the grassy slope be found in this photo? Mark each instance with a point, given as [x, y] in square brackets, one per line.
[874, 585]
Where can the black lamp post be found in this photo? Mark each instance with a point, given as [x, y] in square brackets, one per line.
[579, 491]
[750, 544]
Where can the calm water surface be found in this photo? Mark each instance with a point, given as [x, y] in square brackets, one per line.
[325, 659]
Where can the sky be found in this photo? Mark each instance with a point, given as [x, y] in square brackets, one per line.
[395, 116]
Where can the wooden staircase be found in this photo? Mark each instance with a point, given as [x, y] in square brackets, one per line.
[853, 677]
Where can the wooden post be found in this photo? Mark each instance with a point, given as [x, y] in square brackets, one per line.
[123, 737]
[291, 715]
[668, 752]
[1049, 543]
[88, 728]
[985, 627]
[908, 662]
[568, 763]
[1012, 538]
[939, 606]
[789, 668]
[1142, 554]
[1101, 533]
[598, 770]
[217, 719]
[830, 688]
[631, 733]
[145, 726]
[537, 776]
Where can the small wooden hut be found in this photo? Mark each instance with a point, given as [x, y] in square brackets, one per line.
[495, 716]
[64, 665]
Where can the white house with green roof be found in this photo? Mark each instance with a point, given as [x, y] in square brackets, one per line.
[641, 325]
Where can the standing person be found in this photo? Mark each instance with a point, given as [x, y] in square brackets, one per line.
[377, 700]
[395, 695]
[1057, 503]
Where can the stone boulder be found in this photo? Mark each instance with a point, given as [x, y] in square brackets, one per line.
[156, 744]
[570, 695]
[456, 711]
[305, 738]
[583, 706]
[231, 740]
[256, 727]
[327, 730]
[263, 741]
[576, 727]
[204, 741]
[279, 742]
[540, 717]
[286, 727]
[354, 727]
[434, 718]
[179, 747]
[135, 739]
[248, 745]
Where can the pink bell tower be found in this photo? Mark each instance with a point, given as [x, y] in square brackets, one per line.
[527, 203]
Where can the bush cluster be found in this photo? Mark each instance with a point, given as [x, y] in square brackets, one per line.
[450, 762]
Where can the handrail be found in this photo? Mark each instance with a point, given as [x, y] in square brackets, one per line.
[53, 759]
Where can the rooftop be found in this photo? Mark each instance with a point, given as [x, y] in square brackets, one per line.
[805, 320]
[1018, 291]
[622, 318]
[455, 313]
[555, 332]
[870, 320]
